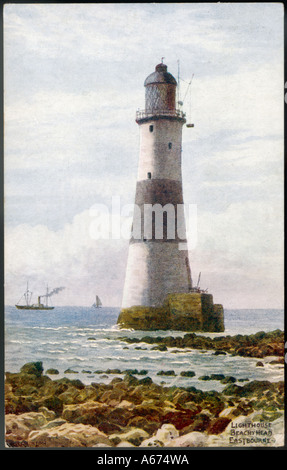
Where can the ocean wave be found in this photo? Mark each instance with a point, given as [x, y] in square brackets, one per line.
[57, 351]
[18, 341]
[127, 359]
[75, 359]
[179, 364]
[49, 328]
[62, 342]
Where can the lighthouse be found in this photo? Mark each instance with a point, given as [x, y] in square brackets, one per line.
[158, 272]
[156, 265]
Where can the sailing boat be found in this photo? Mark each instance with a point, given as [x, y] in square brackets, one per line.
[38, 306]
[97, 303]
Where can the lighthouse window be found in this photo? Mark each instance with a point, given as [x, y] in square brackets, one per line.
[169, 145]
[149, 175]
[151, 128]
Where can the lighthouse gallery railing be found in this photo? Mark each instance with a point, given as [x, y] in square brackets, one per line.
[142, 114]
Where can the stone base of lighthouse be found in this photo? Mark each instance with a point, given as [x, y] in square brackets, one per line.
[179, 311]
[158, 294]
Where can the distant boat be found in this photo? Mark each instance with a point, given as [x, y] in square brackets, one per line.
[97, 303]
[38, 306]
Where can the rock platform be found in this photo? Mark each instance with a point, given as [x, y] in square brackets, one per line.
[136, 412]
[182, 311]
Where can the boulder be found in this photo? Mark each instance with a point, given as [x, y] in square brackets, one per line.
[16, 431]
[52, 424]
[230, 412]
[182, 397]
[180, 418]
[187, 373]
[90, 412]
[167, 433]
[218, 440]
[217, 377]
[228, 380]
[134, 436]
[68, 435]
[163, 437]
[152, 442]
[126, 405]
[160, 347]
[218, 425]
[49, 414]
[71, 371]
[278, 431]
[34, 368]
[52, 371]
[166, 372]
[200, 423]
[148, 424]
[145, 381]
[125, 444]
[68, 397]
[192, 439]
[29, 420]
[232, 389]
[18, 427]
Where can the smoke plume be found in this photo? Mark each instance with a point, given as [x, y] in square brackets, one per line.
[54, 291]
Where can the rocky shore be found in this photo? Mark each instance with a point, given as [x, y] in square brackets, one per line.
[132, 411]
[259, 345]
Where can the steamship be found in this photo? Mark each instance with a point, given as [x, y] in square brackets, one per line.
[38, 306]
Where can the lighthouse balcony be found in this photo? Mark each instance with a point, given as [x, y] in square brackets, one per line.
[144, 115]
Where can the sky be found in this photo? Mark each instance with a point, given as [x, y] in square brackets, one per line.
[73, 80]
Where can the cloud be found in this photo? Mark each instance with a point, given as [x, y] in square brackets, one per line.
[249, 101]
[117, 30]
[71, 257]
[58, 127]
[240, 250]
[73, 79]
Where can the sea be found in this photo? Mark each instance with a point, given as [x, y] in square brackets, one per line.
[89, 343]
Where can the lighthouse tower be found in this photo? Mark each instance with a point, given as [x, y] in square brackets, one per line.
[158, 262]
